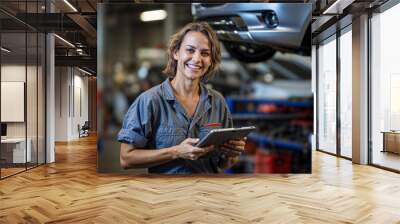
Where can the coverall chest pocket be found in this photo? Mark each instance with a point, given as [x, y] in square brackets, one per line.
[169, 136]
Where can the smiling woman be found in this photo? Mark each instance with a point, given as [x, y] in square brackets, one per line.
[193, 57]
[163, 124]
[194, 36]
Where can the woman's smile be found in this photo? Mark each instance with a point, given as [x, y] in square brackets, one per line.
[194, 67]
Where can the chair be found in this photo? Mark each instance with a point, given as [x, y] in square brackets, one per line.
[84, 130]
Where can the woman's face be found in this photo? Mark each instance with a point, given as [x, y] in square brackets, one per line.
[194, 56]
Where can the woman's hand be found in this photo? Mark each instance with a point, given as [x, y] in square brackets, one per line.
[233, 148]
[186, 150]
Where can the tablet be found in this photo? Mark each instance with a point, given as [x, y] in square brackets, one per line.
[219, 136]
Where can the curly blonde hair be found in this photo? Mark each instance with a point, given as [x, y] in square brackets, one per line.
[176, 41]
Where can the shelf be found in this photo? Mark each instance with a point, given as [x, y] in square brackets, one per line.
[277, 143]
[266, 116]
[289, 103]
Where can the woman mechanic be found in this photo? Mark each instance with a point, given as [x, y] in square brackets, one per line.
[164, 123]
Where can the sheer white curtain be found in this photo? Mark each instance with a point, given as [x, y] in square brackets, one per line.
[346, 94]
[327, 96]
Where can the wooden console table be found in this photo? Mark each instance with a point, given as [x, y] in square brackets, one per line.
[391, 141]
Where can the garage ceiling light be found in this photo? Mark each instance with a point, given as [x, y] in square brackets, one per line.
[5, 49]
[153, 15]
[65, 41]
[70, 5]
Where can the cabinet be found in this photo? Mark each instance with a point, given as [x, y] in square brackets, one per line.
[13, 150]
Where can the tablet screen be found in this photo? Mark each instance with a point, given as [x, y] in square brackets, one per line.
[219, 136]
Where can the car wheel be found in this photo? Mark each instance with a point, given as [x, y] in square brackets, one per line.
[246, 52]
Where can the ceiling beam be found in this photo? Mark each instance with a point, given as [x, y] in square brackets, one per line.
[82, 61]
[86, 26]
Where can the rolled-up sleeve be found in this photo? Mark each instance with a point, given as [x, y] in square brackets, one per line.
[136, 128]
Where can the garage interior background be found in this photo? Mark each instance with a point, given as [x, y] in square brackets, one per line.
[268, 88]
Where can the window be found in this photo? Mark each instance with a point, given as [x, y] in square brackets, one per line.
[327, 96]
[385, 88]
[23, 77]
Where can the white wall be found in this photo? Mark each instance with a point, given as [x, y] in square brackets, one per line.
[13, 73]
[71, 94]
[61, 103]
[81, 82]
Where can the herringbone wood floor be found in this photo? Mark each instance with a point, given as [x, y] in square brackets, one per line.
[70, 191]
